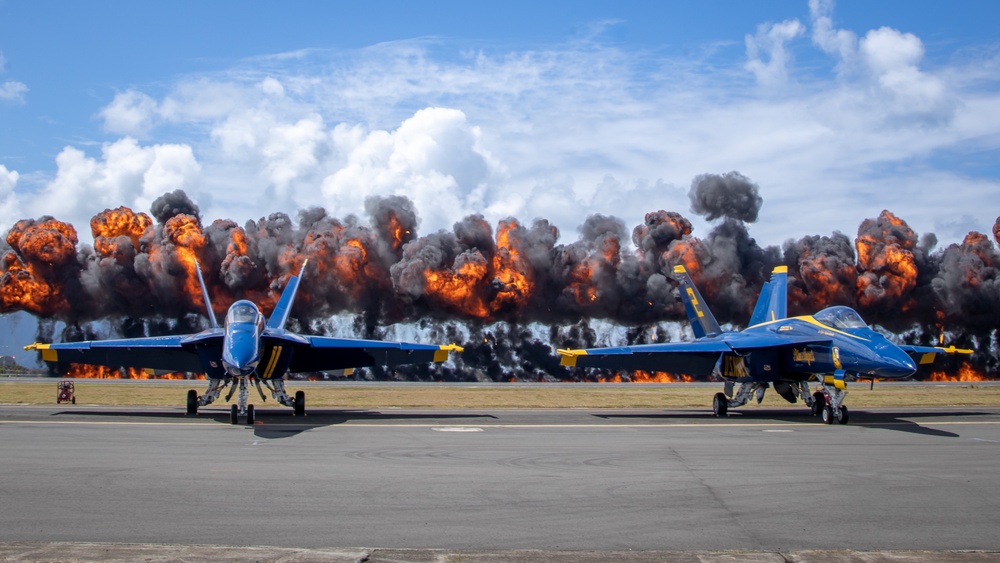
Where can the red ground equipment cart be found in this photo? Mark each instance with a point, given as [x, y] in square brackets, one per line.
[65, 392]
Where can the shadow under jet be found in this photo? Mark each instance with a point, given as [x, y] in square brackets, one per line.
[898, 420]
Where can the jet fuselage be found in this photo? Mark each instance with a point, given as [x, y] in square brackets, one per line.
[241, 342]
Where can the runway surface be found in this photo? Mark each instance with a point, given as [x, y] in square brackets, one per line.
[765, 481]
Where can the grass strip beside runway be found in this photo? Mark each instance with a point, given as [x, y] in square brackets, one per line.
[495, 396]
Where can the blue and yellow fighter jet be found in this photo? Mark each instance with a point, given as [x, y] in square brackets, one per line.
[247, 350]
[832, 347]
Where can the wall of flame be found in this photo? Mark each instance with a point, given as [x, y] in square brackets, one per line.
[139, 275]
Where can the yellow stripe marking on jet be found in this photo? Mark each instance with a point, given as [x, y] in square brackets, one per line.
[275, 354]
[810, 320]
[838, 383]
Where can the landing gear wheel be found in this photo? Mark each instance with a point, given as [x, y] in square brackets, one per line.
[192, 403]
[819, 403]
[720, 404]
[234, 415]
[300, 403]
[842, 415]
[250, 417]
[828, 415]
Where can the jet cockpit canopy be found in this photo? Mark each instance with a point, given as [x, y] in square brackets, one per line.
[840, 318]
[243, 312]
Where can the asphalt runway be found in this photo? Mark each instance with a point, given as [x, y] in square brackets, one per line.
[763, 481]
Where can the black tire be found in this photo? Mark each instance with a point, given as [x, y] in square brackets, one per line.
[819, 403]
[300, 403]
[842, 415]
[192, 402]
[828, 415]
[250, 416]
[720, 404]
[73, 400]
[234, 415]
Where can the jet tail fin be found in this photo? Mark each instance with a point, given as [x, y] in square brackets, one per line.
[703, 322]
[284, 306]
[773, 301]
[204, 294]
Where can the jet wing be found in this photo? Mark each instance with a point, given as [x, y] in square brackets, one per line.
[927, 354]
[322, 353]
[697, 358]
[747, 341]
[170, 353]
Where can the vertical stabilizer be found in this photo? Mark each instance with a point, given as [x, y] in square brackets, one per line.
[284, 306]
[703, 322]
[204, 295]
[773, 301]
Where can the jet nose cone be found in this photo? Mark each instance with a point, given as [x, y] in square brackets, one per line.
[241, 354]
[895, 363]
[241, 358]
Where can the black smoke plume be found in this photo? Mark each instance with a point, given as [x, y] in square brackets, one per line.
[510, 293]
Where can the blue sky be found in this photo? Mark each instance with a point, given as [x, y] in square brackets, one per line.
[525, 109]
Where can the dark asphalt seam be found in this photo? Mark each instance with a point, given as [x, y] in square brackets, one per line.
[720, 499]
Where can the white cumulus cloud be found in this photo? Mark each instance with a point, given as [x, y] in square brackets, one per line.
[770, 40]
[13, 91]
[130, 113]
[434, 158]
[893, 58]
[9, 207]
[126, 174]
[840, 42]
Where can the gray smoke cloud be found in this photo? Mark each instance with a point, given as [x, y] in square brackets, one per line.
[730, 195]
[482, 285]
[173, 203]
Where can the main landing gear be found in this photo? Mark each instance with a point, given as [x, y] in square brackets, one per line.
[827, 402]
[242, 406]
[720, 404]
[748, 390]
[829, 406]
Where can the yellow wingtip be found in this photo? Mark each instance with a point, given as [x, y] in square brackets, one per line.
[569, 356]
[48, 354]
[441, 355]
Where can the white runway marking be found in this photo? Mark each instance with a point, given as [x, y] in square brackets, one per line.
[455, 429]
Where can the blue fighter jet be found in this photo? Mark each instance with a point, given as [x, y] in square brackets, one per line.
[247, 351]
[831, 347]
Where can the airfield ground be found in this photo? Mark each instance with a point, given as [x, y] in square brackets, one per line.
[480, 396]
